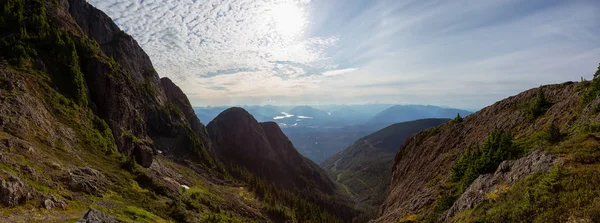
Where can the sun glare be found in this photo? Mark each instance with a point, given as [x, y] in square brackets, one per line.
[289, 19]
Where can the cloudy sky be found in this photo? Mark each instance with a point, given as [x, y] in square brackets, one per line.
[465, 54]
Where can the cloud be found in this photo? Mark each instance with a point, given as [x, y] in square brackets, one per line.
[339, 72]
[188, 38]
[464, 53]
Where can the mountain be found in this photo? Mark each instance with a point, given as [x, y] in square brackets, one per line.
[403, 113]
[264, 113]
[309, 112]
[532, 157]
[263, 149]
[89, 132]
[364, 168]
[207, 114]
[319, 144]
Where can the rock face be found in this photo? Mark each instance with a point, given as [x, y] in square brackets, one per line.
[423, 163]
[508, 173]
[176, 96]
[263, 149]
[128, 94]
[365, 167]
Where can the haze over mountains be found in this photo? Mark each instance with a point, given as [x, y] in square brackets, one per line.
[319, 132]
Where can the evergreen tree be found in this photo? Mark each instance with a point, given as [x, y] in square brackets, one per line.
[539, 105]
[458, 118]
[552, 133]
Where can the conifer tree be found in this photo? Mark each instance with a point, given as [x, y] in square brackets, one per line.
[458, 118]
[553, 133]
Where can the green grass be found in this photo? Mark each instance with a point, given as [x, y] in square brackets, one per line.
[555, 196]
[136, 214]
[566, 192]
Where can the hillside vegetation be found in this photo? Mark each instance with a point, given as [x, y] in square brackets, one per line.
[533, 157]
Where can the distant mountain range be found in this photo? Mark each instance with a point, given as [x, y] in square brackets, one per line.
[404, 113]
[318, 132]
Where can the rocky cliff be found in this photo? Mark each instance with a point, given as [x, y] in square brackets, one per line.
[129, 95]
[556, 119]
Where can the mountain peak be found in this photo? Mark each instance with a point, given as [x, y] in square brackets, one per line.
[265, 150]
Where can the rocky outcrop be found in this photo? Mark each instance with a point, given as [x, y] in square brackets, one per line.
[95, 216]
[263, 149]
[86, 180]
[13, 191]
[508, 173]
[54, 203]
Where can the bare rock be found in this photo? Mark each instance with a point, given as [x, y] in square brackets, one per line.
[55, 166]
[6, 143]
[507, 173]
[95, 216]
[87, 180]
[54, 203]
[29, 171]
[143, 155]
[13, 191]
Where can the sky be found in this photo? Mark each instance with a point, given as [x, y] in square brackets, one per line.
[465, 54]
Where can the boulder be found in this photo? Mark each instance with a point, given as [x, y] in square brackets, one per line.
[54, 203]
[143, 155]
[95, 216]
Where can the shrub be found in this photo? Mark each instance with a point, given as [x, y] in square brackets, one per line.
[552, 133]
[497, 147]
[457, 119]
[539, 105]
